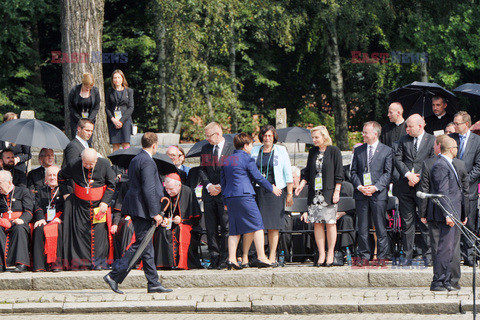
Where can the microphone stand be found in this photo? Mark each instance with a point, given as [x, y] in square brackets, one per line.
[474, 240]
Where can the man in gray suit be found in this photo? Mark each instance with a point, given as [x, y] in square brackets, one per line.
[447, 181]
[413, 148]
[371, 172]
[468, 151]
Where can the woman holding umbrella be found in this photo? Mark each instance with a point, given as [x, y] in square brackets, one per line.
[83, 102]
[324, 175]
[119, 109]
[273, 163]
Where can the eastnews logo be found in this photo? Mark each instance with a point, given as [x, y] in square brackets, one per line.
[85, 57]
[389, 57]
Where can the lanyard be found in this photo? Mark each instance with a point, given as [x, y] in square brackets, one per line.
[261, 162]
[9, 202]
[172, 210]
[53, 197]
[87, 182]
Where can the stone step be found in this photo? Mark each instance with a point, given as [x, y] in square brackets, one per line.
[242, 300]
[291, 276]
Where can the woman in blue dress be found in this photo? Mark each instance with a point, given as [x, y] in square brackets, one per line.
[238, 172]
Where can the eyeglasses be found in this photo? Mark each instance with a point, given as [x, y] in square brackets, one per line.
[210, 135]
[458, 123]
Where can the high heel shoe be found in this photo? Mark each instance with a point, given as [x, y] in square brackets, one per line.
[262, 264]
[231, 265]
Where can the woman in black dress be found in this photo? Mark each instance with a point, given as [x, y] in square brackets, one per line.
[119, 109]
[83, 102]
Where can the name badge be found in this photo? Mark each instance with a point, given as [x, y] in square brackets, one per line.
[169, 224]
[51, 212]
[437, 133]
[367, 179]
[318, 182]
[85, 114]
[198, 191]
[118, 114]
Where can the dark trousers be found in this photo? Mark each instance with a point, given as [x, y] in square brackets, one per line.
[443, 247]
[119, 267]
[408, 204]
[466, 246]
[215, 216]
[377, 210]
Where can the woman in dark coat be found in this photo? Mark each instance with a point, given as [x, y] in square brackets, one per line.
[83, 102]
[238, 172]
[324, 175]
[119, 108]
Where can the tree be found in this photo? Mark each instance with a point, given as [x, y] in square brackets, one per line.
[82, 28]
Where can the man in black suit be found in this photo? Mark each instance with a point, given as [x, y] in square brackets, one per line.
[36, 177]
[142, 204]
[468, 151]
[447, 181]
[459, 166]
[395, 129]
[372, 167]
[438, 121]
[22, 153]
[212, 155]
[74, 149]
[8, 163]
[413, 148]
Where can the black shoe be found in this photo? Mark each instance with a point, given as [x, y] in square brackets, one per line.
[451, 288]
[456, 286]
[262, 264]
[112, 283]
[438, 288]
[468, 263]
[222, 265]
[20, 268]
[159, 288]
[231, 265]
[245, 265]
[213, 263]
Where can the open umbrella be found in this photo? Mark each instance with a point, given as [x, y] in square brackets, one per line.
[295, 134]
[417, 98]
[197, 147]
[472, 92]
[123, 157]
[33, 133]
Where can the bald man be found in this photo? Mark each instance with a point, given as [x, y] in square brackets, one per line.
[47, 230]
[395, 129]
[87, 217]
[413, 149]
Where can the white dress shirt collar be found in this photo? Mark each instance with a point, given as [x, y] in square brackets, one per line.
[83, 142]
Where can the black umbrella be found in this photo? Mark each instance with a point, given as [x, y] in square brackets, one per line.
[122, 158]
[471, 90]
[295, 134]
[33, 133]
[417, 98]
[197, 147]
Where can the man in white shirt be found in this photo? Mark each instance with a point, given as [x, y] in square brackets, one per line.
[74, 149]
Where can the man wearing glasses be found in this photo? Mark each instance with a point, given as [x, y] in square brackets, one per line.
[215, 215]
[468, 151]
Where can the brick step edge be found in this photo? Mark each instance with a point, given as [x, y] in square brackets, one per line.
[450, 306]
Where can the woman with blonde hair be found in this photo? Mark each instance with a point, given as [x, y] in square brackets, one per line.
[324, 175]
[119, 108]
[83, 102]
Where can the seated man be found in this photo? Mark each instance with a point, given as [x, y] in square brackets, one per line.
[47, 233]
[176, 244]
[16, 207]
[36, 177]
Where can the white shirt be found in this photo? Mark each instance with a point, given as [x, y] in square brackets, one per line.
[83, 142]
[450, 161]
[220, 145]
[374, 147]
[467, 135]
[419, 142]
[151, 156]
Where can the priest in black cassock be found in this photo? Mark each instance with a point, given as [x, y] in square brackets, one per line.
[8, 163]
[47, 240]
[36, 177]
[122, 226]
[87, 217]
[176, 244]
[438, 121]
[16, 207]
[395, 129]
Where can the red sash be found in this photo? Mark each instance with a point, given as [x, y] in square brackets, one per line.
[184, 244]
[89, 194]
[51, 237]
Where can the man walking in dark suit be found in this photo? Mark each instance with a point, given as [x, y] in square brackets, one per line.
[413, 148]
[468, 151]
[212, 156]
[459, 166]
[74, 149]
[142, 204]
[372, 166]
[445, 180]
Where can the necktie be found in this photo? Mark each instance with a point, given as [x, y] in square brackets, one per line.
[415, 147]
[215, 155]
[370, 156]
[461, 147]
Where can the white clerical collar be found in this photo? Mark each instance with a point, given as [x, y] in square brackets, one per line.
[440, 117]
[399, 124]
[83, 142]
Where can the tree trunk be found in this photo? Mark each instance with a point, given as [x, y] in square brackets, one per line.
[423, 72]
[233, 76]
[162, 72]
[82, 29]
[336, 83]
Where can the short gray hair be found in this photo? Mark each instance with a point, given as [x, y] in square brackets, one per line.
[5, 176]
